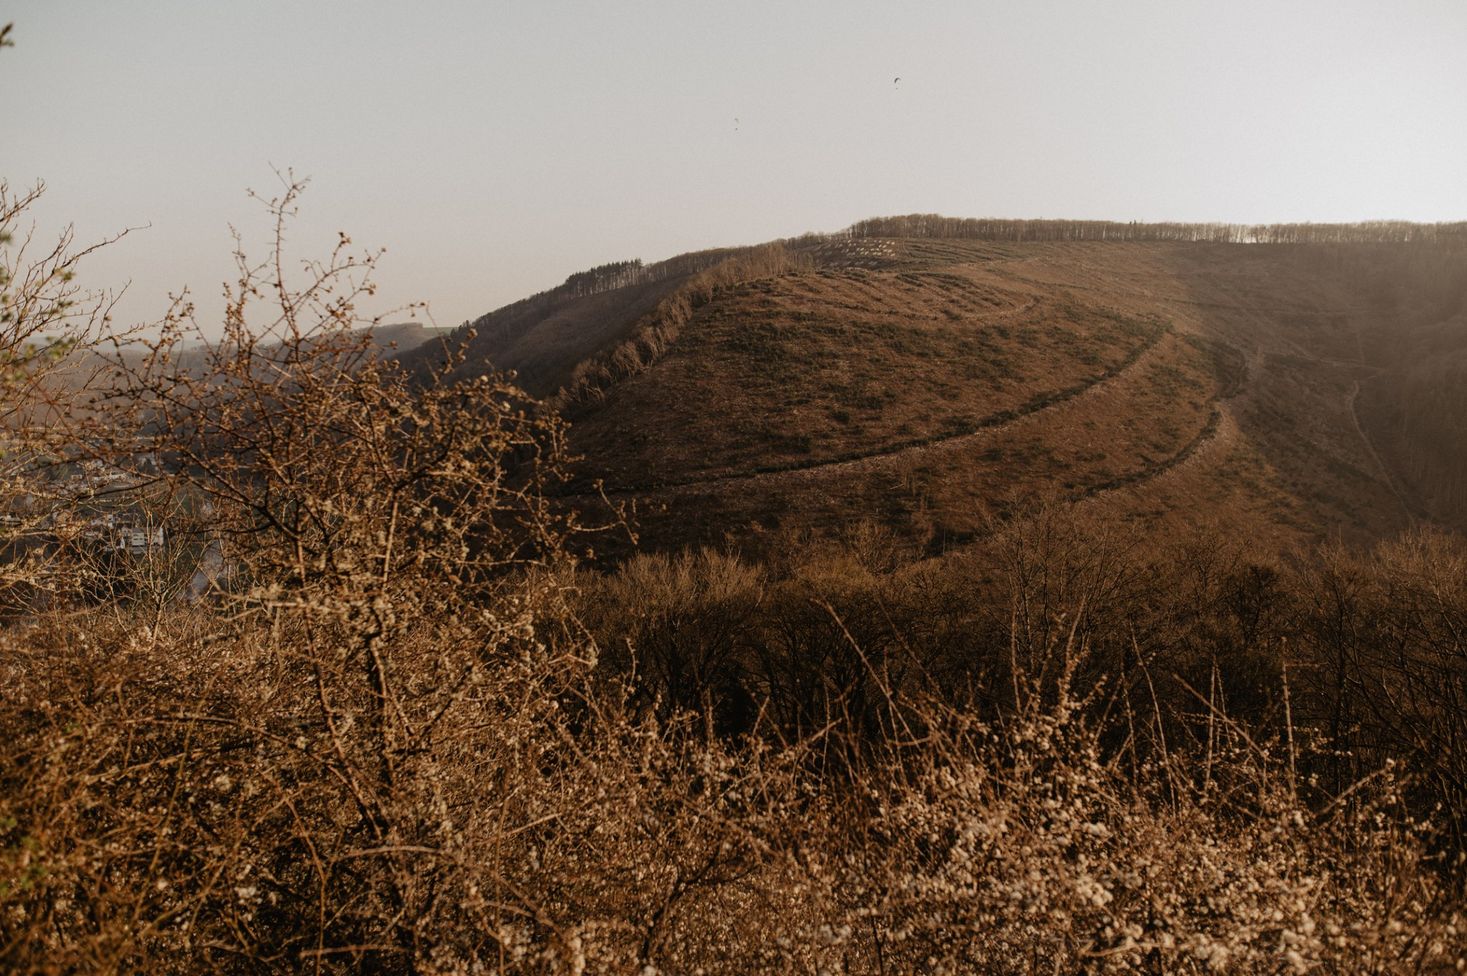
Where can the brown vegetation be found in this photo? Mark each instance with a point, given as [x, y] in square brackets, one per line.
[401, 731]
[363, 705]
[921, 370]
[1300, 390]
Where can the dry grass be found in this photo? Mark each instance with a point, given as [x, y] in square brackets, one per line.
[926, 381]
[400, 728]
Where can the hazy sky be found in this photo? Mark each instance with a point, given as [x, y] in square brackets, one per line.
[495, 147]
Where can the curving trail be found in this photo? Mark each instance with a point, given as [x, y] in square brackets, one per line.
[1220, 430]
[1385, 473]
[987, 427]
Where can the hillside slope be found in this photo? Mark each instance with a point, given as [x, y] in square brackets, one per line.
[1290, 391]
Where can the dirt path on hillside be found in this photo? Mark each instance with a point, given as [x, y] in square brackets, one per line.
[1354, 404]
[1385, 473]
[1220, 431]
[867, 460]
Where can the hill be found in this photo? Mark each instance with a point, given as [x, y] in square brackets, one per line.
[1293, 382]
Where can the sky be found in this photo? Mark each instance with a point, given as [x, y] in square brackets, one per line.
[495, 147]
